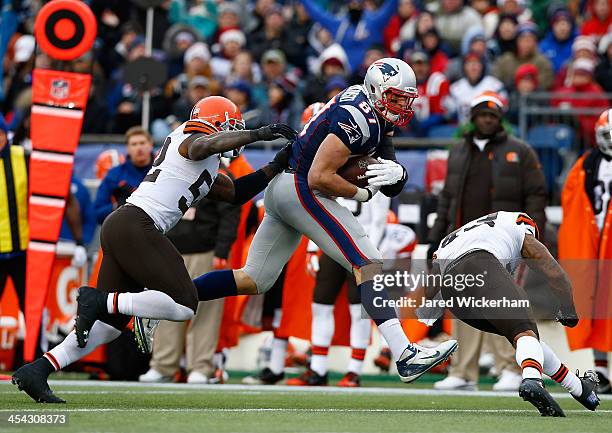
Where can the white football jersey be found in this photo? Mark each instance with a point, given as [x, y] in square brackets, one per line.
[174, 183]
[500, 233]
[398, 243]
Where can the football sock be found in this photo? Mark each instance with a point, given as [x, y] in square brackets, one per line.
[601, 362]
[68, 351]
[379, 314]
[322, 333]
[215, 285]
[396, 338]
[278, 355]
[558, 372]
[149, 303]
[530, 357]
[360, 338]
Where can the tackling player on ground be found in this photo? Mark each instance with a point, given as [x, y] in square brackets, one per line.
[492, 247]
[358, 121]
[142, 273]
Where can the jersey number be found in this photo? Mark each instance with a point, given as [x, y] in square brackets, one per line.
[488, 220]
[194, 188]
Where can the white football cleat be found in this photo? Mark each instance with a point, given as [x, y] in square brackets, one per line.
[417, 360]
[144, 329]
[454, 383]
[508, 381]
[154, 376]
[195, 377]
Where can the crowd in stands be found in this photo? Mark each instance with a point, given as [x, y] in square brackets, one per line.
[274, 58]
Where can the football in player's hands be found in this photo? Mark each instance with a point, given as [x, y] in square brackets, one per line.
[385, 172]
[354, 171]
[567, 316]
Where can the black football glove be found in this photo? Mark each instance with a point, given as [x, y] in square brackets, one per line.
[281, 159]
[567, 316]
[122, 192]
[274, 131]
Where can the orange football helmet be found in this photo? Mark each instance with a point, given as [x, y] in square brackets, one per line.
[218, 112]
[310, 111]
[107, 160]
[603, 132]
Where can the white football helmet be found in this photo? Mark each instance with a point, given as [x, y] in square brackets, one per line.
[603, 132]
[391, 86]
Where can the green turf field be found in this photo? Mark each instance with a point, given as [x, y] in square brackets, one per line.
[124, 407]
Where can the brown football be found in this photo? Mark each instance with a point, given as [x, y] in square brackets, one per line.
[355, 168]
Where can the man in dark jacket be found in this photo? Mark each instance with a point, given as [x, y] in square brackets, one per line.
[488, 171]
[204, 237]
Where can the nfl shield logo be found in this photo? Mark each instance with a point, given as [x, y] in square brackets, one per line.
[60, 89]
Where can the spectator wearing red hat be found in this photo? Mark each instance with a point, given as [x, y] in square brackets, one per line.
[582, 48]
[600, 21]
[526, 52]
[231, 43]
[474, 82]
[525, 82]
[332, 61]
[581, 82]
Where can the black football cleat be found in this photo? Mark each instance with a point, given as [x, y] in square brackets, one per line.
[308, 378]
[533, 391]
[32, 378]
[603, 386]
[91, 304]
[264, 377]
[588, 398]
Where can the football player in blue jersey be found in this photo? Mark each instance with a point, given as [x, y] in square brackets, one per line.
[301, 201]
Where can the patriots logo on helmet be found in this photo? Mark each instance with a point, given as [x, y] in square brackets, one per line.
[387, 70]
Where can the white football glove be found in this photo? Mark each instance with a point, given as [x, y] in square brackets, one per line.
[79, 258]
[386, 173]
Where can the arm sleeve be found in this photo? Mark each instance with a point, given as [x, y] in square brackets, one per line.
[227, 229]
[326, 19]
[382, 16]
[103, 204]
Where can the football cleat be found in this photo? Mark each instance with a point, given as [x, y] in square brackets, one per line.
[154, 376]
[383, 360]
[264, 377]
[219, 377]
[454, 383]
[32, 378]
[144, 329]
[91, 304]
[417, 360]
[308, 378]
[603, 386]
[588, 398]
[350, 380]
[533, 391]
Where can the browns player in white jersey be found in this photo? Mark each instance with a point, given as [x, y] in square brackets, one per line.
[488, 250]
[142, 273]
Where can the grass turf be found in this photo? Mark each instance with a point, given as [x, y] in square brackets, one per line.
[124, 408]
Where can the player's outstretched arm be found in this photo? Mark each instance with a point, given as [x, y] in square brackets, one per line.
[323, 177]
[246, 187]
[539, 258]
[201, 146]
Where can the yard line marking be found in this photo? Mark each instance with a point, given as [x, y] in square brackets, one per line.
[272, 409]
[283, 389]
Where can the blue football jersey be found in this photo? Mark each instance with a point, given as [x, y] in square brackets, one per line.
[351, 117]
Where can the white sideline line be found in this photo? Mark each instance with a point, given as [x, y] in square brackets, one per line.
[283, 389]
[292, 410]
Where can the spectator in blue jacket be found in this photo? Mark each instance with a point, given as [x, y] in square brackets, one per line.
[557, 44]
[357, 30]
[122, 180]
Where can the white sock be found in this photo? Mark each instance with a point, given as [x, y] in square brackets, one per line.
[278, 355]
[322, 333]
[530, 357]
[395, 337]
[360, 338]
[152, 304]
[558, 372]
[68, 351]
